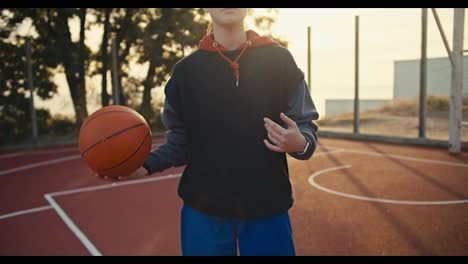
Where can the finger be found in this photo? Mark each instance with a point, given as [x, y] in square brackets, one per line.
[274, 140]
[288, 121]
[274, 133]
[272, 147]
[280, 130]
[108, 178]
[111, 178]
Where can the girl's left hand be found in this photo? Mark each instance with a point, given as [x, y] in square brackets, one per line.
[285, 140]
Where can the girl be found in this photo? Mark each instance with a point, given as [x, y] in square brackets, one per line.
[233, 109]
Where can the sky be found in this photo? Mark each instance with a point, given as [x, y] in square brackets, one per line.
[386, 35]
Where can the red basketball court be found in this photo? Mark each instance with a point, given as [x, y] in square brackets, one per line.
[352, 198]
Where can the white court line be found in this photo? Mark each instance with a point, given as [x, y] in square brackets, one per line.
[35, 152]
[326, 152]
[42, 163]
[114, 185]
[91, 248]
[51, 151]
[86, 189]
[23, 212]
[39, 164]
[78, 233]
[371, 199]
[6, 156]
[402, 157]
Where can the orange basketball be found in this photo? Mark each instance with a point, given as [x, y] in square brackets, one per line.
[115, 141]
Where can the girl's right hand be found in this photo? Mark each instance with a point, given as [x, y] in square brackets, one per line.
[139, 173]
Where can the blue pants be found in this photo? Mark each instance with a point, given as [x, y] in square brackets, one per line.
[204, 235]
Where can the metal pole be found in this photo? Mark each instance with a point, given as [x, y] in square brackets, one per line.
[442, 34]
[457, 82]
[356, 78]
[35, 134]
[423, 75]
[115, 74]
[309, 54]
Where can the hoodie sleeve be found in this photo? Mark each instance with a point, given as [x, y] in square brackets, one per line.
[173, 153]
[300, 107]
[302, 110]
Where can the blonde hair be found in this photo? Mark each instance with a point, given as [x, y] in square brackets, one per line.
[209, 29]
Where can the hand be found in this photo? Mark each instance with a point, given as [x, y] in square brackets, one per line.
[284, 140]
[139, 173]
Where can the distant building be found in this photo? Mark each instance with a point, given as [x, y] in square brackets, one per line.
[406, 85]
[406, 78]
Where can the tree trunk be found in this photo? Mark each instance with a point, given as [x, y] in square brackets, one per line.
[145, 109]
[82, 58]
[121, 57]
[72, 68]
[105, 59]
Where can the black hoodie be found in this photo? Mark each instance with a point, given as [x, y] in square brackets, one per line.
[215, 109]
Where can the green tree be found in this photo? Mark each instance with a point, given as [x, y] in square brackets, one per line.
[154, 37]
[263, 24]
[15, 119]
[58, 51]
[157, 38]
[167, 33]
